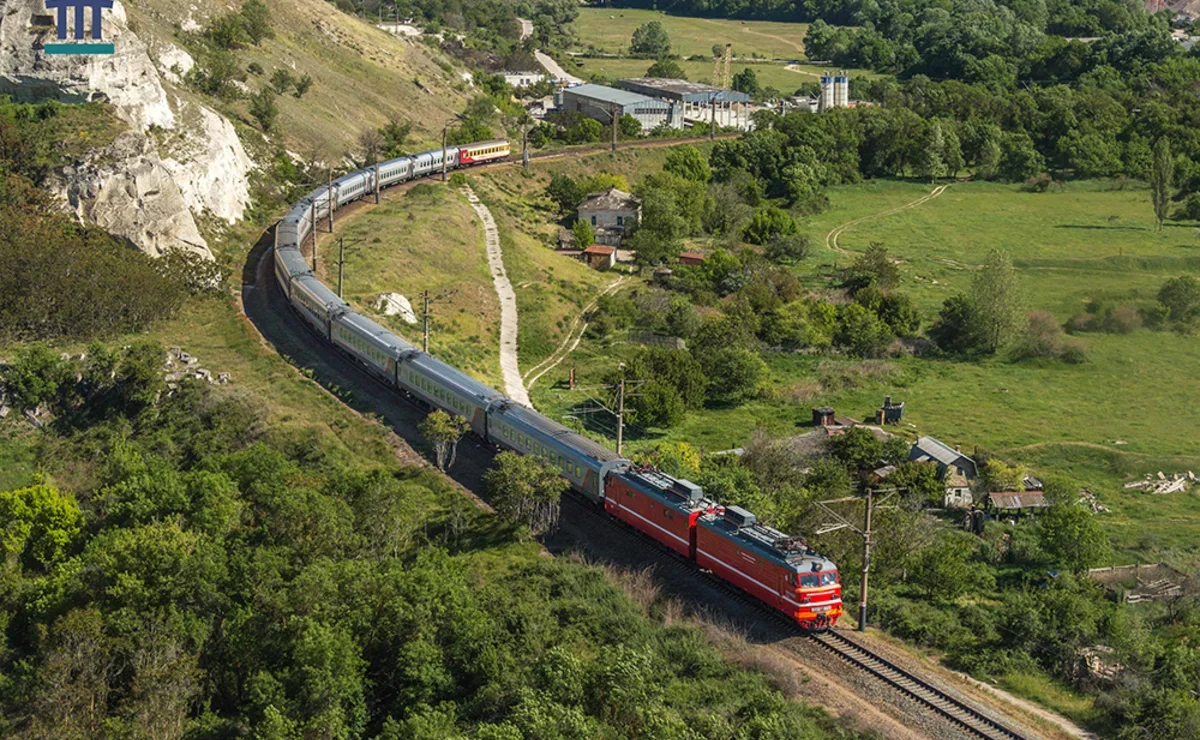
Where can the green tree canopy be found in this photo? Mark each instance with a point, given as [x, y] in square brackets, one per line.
[650, 40]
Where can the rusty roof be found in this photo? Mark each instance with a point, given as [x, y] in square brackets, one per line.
[1018, 500]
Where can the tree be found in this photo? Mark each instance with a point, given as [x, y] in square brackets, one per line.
[256, 20]
[872, 267]
[281, 81]
[566, 193]
[303, 83]
[899, 312]
[861, 331]
[933, 153]
[788, 248]
[958, 327]
[734, 374]
[746, 81]
[944, 571]
[395, 135]
[371, 142]
[264, 109]
[1162, 175]
[768, 223]
[442, 431]
[666, 68]
[630, 127]
[37, 525]
[37, 376]
[650, 41]
[686, 161]
[1181, 297]
[1071, 536]
[999, 300]
[857, 449]
[526, 490]
[584, 235]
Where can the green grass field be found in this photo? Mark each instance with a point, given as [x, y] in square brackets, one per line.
[609, 30]
[770, 74]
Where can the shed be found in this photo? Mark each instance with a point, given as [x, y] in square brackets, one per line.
[691, 258]
[600, 257]
[1017, 501]
[822, 416]
[605, 103]
[890, 413]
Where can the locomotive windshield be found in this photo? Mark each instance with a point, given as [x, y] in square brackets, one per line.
[817, 580]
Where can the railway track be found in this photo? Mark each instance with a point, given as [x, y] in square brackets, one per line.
[916, 689]
[935, 699]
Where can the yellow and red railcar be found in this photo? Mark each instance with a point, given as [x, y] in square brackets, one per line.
[481, 152]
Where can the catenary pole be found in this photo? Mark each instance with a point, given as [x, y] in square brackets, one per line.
[866, 563]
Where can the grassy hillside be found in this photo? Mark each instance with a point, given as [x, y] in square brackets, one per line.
[426, 239]
[609, 30]
[362, 76]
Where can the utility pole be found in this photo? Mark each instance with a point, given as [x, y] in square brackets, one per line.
[330, 191]
[342, 264]
[712, 117]
[525, 144]
[841, 522]
[425, 345]
[866, 563]
[377, 176]
[621, 411]
[312, 219]
[314, 255]
[429, 301]
[612, 113]
[444, 151]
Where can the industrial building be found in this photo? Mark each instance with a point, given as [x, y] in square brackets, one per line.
[606, 103]
[699, 103]
[523, 79]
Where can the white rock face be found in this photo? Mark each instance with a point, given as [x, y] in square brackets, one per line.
[125, 190]
[393, 304]
[210, 166]
[139, 189]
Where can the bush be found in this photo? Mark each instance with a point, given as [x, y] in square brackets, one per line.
[1041, 337]
[281, 81]
[1074, 353]
[302, 86]
[254, 68]
[767, 224]
[789, 248]
[264, 109]
[458, 180]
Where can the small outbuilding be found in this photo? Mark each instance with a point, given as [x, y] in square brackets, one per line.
[949, 460]
[600, 257]
[691, 258]
[1016, 501]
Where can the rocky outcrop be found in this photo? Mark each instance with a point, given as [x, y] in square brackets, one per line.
[126, 190]
[180, 158]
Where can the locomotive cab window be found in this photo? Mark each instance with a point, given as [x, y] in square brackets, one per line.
[809, 581]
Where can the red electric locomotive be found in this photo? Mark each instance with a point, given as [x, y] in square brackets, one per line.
[777, 569]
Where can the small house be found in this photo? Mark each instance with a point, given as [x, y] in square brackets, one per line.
[600, 257]
[691, 258]
[948, 459]
[612, 214]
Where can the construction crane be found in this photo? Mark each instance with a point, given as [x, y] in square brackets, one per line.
[721, 79]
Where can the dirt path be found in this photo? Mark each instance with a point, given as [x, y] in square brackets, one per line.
[780, 39]
[796, 68]
[831, 239]
[511, 371]
[566, 347]
[556, 71]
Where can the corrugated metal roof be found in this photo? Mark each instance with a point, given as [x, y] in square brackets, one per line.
[936, 450]
[612, 95]
[1018, 500]
[692, 92]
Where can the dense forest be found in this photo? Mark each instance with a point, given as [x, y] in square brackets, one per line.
[183, 569]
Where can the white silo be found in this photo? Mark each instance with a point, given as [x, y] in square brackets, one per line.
[825, 102]
[841, 91]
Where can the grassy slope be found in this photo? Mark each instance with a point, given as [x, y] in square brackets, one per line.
[610, 29]
[425, 240]
[362, 76]
[769, 74]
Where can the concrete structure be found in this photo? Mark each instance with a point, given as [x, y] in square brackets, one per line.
[523, 79]
[600, 257]
[697, 101]
[835, 92]
[603, 103]
[612, 213]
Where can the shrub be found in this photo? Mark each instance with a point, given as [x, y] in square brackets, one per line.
[254, 68]
[1041, 337]
[1074, 353]
[302, 85]
[458, 180]
[281, 81]
[264, 109]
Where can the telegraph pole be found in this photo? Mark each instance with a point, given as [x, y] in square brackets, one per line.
[621, 411]
[342, 264]
[612, 113]
[330, 204]
[425, 346]
[866, 564]
[444, 151]
[525, 145]
[429, 301]
[712, 118]
[377, 170]
[841, 522]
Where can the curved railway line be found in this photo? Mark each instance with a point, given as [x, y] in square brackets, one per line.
[939, 702]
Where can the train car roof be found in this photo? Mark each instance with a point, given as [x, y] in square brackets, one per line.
[681, 494]
[464, 383]
[298, 211]
[349, 176]
[293, 260]
[767, 542]
[489, 142]
[390, 342]
[531, 418]
[320, 291]
[397, 160]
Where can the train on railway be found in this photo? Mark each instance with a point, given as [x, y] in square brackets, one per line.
[779, 570]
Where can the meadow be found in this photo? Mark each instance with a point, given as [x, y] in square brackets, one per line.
[609, 30]
[785, 78]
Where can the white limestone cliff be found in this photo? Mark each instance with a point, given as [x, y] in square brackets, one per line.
[144, 187]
